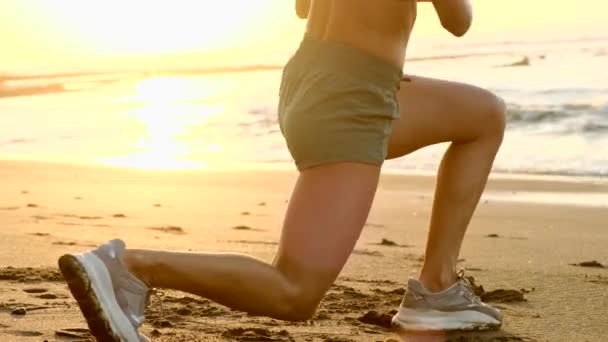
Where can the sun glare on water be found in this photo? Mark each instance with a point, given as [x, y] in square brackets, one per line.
[171, 109]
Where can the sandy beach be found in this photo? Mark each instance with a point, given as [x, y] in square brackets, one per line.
[531, 245]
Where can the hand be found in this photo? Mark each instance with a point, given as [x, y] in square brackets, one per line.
[302, 8]
[456, 16]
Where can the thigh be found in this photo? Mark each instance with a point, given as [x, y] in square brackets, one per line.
[435, 111]
[326, 213]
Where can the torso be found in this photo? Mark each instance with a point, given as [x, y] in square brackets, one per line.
[381, 28]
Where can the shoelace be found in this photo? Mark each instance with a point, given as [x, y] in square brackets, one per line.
[159, 296]
[469, 291]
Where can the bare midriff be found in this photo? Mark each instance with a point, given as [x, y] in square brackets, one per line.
[381, 28]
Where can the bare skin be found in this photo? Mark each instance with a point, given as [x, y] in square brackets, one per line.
[330, 203]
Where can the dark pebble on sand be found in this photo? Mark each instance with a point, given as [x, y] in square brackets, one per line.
[119, 216]
[375, 318]
[496, 296]
[387, 242]
[592, 263]
[241, 227]
[492, 235]
[245, 213]
[261, 204]
[503, 296]
[32, 205]
[19, 311]
[35, 290]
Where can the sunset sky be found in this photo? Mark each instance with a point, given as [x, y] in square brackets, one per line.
[74, 35]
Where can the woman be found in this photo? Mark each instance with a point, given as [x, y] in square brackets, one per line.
[344, 109]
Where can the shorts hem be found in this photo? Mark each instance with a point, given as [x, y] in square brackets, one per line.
[311, 164]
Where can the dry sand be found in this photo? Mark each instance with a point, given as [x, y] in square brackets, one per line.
[516, 243]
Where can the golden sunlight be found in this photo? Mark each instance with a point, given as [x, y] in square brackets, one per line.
[144, 27]
[170, 108]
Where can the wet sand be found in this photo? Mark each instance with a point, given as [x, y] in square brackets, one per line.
[544, 264]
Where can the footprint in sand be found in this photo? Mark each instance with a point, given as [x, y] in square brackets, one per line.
[90, 217]
[64, 243]
[374, 318]
[74, 333]
[51, 296]
[256, 334]
[40, 234]
[244, 227]
[367, 252]
[368, 281]
[25, 333]
[599, 280]
[30, 274]
[81, 217]
[253, 242]
[169, 229]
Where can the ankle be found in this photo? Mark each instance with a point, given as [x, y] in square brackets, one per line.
[437, 282]
[137, 266]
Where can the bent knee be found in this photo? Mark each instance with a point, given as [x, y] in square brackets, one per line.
[495, 115]
[299, 305]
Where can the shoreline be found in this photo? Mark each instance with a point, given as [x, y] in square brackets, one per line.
[288, 167]
[538, 189]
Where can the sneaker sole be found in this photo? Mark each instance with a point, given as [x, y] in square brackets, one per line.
[90, 284]
[433, 320]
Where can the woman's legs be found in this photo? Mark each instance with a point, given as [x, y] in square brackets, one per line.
[473, 120]
[328, 208]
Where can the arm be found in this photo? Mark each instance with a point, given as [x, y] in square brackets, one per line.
[456, 16]
[302, 8]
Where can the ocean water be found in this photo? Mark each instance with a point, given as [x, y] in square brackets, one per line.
[557, 120]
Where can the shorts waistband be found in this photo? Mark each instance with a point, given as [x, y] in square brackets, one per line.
[342, 58]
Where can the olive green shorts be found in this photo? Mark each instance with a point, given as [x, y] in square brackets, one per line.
[337, 104]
